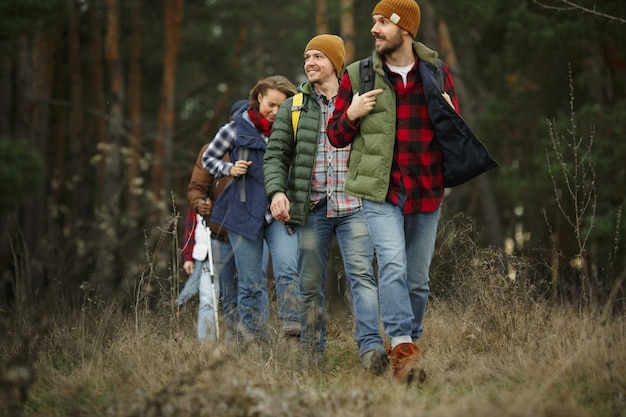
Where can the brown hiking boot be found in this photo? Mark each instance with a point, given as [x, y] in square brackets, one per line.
[403, 363]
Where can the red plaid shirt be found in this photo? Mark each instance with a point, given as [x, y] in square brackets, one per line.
[416, 166]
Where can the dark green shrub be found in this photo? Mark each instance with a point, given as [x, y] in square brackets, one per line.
[21, 171]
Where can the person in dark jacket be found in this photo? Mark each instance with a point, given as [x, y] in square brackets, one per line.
[243, 210]
[396, 168]
[313, 199]
[202, 192]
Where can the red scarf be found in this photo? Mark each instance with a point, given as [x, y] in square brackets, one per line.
[261, 123]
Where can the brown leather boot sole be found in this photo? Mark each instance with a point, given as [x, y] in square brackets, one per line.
[404, 363]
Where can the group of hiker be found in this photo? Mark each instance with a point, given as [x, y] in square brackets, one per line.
[334, 156]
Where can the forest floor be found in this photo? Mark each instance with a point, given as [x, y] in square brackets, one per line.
[505, 359]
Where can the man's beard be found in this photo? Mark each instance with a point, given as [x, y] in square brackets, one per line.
[391, 46]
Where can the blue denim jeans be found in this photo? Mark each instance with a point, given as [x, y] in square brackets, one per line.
[224, 264]
[404, 245]
[357, 252]
[252, 300]
[283, 245]
[226, 272]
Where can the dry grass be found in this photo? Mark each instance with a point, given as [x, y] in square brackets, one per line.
[493, 348]
[542, 361]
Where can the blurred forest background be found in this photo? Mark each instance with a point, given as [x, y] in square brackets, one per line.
[105, 104]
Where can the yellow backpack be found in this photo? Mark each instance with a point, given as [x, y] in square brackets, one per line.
[296, 107]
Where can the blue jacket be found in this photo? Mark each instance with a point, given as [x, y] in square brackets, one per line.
[242, 206]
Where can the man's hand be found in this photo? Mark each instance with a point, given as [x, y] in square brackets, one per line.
[447, 98]
[204, 207]
[188, 267]
[280, 207]
[362, 104]
[240, 168]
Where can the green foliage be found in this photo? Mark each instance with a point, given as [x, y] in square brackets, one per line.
[514, 59]
[21, 170]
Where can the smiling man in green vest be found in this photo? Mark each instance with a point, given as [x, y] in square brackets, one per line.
[304, 179]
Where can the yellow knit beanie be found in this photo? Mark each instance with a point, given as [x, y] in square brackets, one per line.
[404, 13]
[333, 48]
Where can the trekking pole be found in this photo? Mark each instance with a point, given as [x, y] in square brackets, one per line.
[205, 222]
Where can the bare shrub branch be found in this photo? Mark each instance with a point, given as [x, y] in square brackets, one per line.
[571, 6]
[576, 181]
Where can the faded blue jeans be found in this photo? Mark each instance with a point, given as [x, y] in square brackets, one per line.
[405, 245]
[252, 300]
[357, 252]
[224, 268]
[224, 262]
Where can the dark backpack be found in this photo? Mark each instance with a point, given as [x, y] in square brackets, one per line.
[463, 155]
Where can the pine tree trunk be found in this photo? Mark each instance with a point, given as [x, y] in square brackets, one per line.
[134, 107]
[97, 89]
[108, 212]
[161, 176]
[347, 28]
[34, 71]
[321, 17]
[77, 115]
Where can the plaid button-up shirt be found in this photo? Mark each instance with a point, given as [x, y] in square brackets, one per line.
[329, 172]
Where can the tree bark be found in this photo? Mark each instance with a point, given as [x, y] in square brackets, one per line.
[134, 107]
[321, 17]
[76, 118]
[347, 28]
[108, 209]
[97, 89]
[112, 185]
[161, 175]
[34, 74]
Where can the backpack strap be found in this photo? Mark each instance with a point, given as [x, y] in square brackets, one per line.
[440, 75]
[367, 75]
[243, 154]
[296, 108]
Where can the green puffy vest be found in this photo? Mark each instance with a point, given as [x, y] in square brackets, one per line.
[369, 169]
[372, 149]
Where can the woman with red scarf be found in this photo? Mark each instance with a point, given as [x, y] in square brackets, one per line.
[243, 210]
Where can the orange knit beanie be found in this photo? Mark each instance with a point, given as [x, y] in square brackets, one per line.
[333, 48]
[404, 13]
